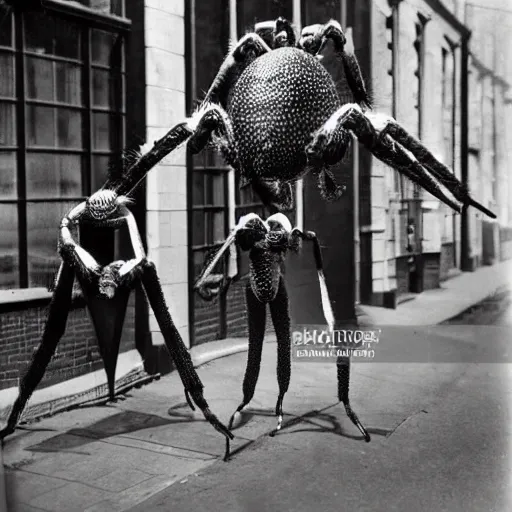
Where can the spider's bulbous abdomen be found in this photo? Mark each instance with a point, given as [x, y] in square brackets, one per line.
[264, 274]
[277, 103]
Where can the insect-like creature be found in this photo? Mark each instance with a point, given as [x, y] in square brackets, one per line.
[268, 242]
[274, 113]
[106, 291]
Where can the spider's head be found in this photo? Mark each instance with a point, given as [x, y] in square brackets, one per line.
[276, 33]
[251, 230]
[279, 229]
[104, 205]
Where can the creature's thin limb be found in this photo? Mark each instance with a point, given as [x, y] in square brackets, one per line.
[314, 38]
[350, 117]
[249, 229]
[343, 367]
[248, 48]
[437, 168]
[53, 332]
[176, 347]
[276, 195]
[297, 235]
[256, 317]
[281, 320]
[197, 128]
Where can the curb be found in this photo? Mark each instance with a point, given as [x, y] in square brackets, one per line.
[94, 396]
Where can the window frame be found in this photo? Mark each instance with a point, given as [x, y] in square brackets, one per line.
[88, 20]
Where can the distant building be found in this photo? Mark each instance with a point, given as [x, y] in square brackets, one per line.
[79, 81]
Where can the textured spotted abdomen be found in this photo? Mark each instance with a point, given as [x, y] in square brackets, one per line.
[277, 103]
[264, 274]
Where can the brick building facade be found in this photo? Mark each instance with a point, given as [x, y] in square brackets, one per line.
[105, 74]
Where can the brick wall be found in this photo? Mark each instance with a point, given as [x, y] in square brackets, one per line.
[76, 354]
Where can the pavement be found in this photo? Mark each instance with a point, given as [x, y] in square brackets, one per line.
[440, 430]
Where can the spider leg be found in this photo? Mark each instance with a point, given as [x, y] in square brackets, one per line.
[313, 39]
[381, 145]
[281, 320]
[248, 48]
[256, 317]
[53, 332]
[178, 351]
[430, 162]
[197, 129]
[343, 369]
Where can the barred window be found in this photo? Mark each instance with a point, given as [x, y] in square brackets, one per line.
[61, 121]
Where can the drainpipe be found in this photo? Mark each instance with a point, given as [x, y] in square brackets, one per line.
[465, 260]
[232, 264]
[299, 185]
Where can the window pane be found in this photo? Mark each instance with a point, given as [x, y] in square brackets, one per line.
[99, 171]
[69, 128]
[250, 13]
[212, 38]
[7, 176]
[39, 33]
[197, 188]
[6, 25]
[117, 7]
[40, 83]
[9, 257]
[215, 223]
[7, 124]
[104, 131]
[68, 80]
[198, 263]
[321, 11]
[67, 39]
[7, 75]
[214, 184]
[104, 50]
[198, 228]
[43, 221]
[50, 175]
[107, 89]
[40, 126]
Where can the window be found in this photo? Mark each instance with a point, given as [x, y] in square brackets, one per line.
[61, 121]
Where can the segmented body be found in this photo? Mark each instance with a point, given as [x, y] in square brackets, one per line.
[265, 273]
[279, 100]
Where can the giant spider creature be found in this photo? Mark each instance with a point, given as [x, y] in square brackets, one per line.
[106, 291]
[274, 113]
[268, 242]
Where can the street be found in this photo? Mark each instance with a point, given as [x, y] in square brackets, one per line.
[440, 435]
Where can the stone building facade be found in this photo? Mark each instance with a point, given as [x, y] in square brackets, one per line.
[140, 66]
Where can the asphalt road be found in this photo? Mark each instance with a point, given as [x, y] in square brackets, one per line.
[440, 435]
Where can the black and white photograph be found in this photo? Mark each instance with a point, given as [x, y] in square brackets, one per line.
[255, 255]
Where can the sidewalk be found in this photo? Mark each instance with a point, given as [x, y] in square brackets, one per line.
[114, 457]
[435, 306]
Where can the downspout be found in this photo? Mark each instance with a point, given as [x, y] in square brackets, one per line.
[299, 185]
[465, 260]
[232, 264]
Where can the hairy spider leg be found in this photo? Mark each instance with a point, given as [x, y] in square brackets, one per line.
[256, 318]
[437, 168]
[279, 311]
[176, 347]
[314, 38]
[53, 332]
[343, 370]
[350, 117]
